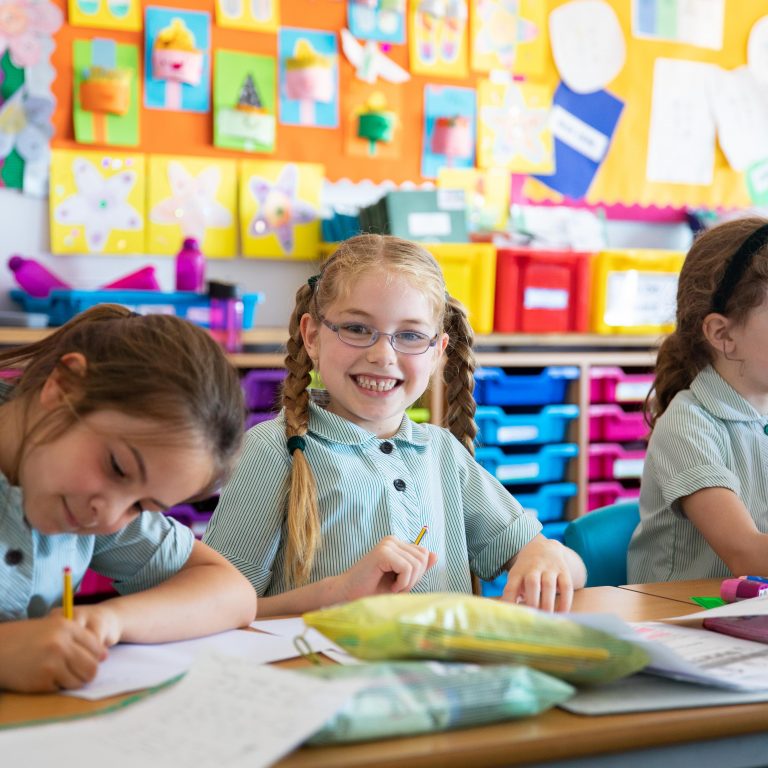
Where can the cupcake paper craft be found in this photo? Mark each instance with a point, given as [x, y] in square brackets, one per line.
[106, 90]
[452, 137]
[375, 123]
[174, 55]
[249, 120]
[309, 78]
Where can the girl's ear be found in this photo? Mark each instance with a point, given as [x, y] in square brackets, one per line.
[57, 388]
[717, 331]
[310, 330]
[440, 347]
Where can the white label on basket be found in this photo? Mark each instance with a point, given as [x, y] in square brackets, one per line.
[632, 391]
[640, 298]
[517, 471]
[545, 298]
[156, 309]
[429, 224]
[628, 468]
[517, 434]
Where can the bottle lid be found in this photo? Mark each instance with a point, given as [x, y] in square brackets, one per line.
[217, 290]
[191, 243]
[15, 263]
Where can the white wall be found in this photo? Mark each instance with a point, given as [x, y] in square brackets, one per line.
[24, 230]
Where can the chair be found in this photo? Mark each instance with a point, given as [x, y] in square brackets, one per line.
[601, 538]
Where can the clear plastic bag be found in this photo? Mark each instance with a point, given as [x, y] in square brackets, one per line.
[457, 627]
[410, 697]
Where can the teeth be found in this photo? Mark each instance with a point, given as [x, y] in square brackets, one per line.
[377, 385]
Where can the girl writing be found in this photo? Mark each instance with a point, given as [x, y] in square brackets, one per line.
[107, 422]
[704, 497]
[326, 503]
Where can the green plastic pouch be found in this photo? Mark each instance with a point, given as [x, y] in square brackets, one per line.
[409, 697]
[457, 627]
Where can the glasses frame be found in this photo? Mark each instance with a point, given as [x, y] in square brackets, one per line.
[336, 328]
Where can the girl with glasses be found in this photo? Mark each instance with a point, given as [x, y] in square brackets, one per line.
[327, 503]
[704, 497]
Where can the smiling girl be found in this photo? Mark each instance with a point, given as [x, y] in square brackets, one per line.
[106, 423]
[326, 502]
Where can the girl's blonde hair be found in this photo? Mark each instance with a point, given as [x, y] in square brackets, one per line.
[700, 291]
[353, 258]
[155, 367]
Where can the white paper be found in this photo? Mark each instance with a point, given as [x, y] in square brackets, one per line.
[689, 654]
[587, 44]
[681, 140]
[295, 627]
[740, 105]
[226, 713]
[133, 667]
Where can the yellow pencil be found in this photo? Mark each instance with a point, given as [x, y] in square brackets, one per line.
[423, 530]
[67, 600]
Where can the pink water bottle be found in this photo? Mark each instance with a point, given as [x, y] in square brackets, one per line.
[33, 277]
[190, 267]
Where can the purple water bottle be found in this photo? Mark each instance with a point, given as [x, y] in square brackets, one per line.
[190, 267]
[33, 277]
[226, 318]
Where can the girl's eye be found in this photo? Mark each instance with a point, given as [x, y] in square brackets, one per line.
[116, 468]
[358, 330]
[411, 336]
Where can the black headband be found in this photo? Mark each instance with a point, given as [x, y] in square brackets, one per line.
[737, 267]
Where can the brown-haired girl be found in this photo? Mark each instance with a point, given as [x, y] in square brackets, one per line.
[107, 422]
[326, 503]
[704, 498]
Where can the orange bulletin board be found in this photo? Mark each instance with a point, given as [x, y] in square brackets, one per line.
[620, 179]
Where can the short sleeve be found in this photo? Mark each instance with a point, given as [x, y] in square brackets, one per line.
[497, 526]
[690, 450]
[149, 550]
[247, 525]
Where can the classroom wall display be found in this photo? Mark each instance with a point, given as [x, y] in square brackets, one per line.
[244, 101]
[105, 93]
[603, 165]
[177, 59]
[513, 127]
[192, 197]
[280, 209]
[97, 202]
[437, 37]
[509, 35]
[105, 14]
[309, 78]
[255, 15]
[26, 101]
[449, 129]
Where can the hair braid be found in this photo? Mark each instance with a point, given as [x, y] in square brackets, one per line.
[459, 375]
[303, 521]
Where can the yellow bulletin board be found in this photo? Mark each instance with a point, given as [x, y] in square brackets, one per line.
[621, 180]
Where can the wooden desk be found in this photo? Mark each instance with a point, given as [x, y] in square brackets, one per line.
[554, 735]
[680, 591]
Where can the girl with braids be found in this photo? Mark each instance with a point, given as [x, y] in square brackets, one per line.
[704, 497]
[326, 503]
[105, 423]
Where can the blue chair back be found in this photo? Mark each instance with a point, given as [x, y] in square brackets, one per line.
[601, 538]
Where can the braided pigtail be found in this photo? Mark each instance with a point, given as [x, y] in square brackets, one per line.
[303, 521]
[459, 374]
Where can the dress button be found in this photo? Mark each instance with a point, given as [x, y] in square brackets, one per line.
[399, 484]
[13, 556]
[386, 447]
[765, 429]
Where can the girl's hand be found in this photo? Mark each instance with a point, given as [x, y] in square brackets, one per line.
[102, 620]
[541, 575]
[391, 566]
[49, 654]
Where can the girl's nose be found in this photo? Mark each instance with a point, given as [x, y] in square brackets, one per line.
[382, 351]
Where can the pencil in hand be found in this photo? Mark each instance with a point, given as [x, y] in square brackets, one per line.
[67, 600]
[418, 539]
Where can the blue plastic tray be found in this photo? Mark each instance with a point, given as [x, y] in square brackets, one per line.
[63, 304]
